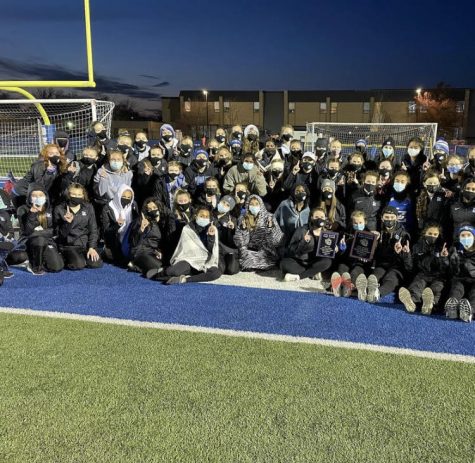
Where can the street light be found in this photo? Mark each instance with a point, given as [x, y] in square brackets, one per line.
[418, 91]
[205, 93]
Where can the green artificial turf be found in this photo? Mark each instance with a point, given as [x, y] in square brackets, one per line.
[74, 391]
[18, 165]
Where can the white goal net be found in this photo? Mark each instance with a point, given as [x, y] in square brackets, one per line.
[373, 133]
[23, 131]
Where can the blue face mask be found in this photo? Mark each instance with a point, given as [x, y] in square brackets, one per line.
[398, 187]
[116, 165]
[454, 169]
[467, 242]
[222, 209]
[40, 202]
[358, 226]
[254, 210]
[248, 165]
[202, 222]
[387, 152]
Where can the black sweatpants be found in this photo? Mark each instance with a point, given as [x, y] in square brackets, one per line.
[75, 258]
[184, 268]
[421, 282]
[146, 261]
[355, 271]
[302, 269]
[44, 254]
[389, 280]
[463, 289]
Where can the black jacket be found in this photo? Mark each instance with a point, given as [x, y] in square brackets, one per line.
[426, 259]
[196, 180]
[370, 205]
[461, 213]
[385, 256]
[39, 175]
[462, 264]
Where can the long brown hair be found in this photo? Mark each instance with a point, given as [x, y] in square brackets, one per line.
[63, 162]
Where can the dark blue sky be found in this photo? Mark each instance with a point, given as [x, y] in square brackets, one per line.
[270, 45]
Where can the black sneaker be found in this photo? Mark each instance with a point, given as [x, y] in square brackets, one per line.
[465, 310]
[7, 274]
[154, 273]
[35, 270]
[451, 308]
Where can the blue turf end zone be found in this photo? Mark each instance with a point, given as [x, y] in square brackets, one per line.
[113, 292]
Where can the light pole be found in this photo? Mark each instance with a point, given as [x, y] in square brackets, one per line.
[205, 93]
[418, 93]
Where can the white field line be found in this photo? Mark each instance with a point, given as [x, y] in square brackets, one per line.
[243, 334]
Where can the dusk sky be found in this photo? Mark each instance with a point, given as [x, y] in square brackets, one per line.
[144, 48]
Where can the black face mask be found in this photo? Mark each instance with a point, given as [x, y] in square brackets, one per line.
[213, 150]
[220, 138]
[167, 138]
[327, 195]
[200, 162]
[154, 161]
[62, 142]
[275, 173]
[236, 151]
[173, 175]
[389, 223]
[140, 143]
[55, 160]
[370, 189]
[286, 137]
[384, 172]
[123, 148]
[125, 202]
[241, 195]
[183, 207]
[211, 191]
[73, 202]
[252, 137]
[153, 214]
[307, 165]
[320, 152]
[270, 152]
[102, 134]
[472, 162]
[332, 172]
[317, 223]
[431, 239]
[237, 135]
[440, 159]
[468, 195]
[300, 196]
[354, 167]
[432, 188]
[185, 150]
[88, 161]
[221, 162]
[296, 153]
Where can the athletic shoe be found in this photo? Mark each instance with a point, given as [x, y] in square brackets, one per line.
[465, 310]
[336, 284]
[373, 289]
[406, 299]
[362, 287]
[176, 280]
[38, 271]
[346, 285]
[451, 308]
[291, 277]
[153, 273]
[427, 301]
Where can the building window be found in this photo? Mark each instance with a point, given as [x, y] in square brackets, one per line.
[334, 108]
[226, 106]
[460, 107]
[291, 108]
[216, 106]
[323, 108]
[411, 107]
[366, 107]
[187, 106]
[256, 106]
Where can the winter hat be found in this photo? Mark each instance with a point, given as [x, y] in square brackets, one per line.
[310, 155]
[390, 210]
[249, 128]
[200, 151]
[230, 200]
[235, 142]
[389, 142]
[321, 145]
[441, 145]
[168, 127]
[327, 183]
[276, 164]
[361, 142]
[466, 227]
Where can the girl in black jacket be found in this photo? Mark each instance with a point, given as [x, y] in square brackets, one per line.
[226, 225]
[428, 263]
[76, 230]
[36, 232]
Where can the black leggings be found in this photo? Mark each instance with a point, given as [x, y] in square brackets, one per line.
[17, 257]
[461, 289]
[147, 261]
[297, 267]
[75, 258]
[421, 282]
[42, 253]
[184, 268]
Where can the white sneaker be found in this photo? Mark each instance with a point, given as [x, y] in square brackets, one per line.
[362, 287]
[406, 299]
[465, 310]
[373, 289]
[291, 277]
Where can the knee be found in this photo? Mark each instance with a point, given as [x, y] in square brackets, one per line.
[94, 264]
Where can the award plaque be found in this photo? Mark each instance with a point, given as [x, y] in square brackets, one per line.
[364, 245]
[327, 242]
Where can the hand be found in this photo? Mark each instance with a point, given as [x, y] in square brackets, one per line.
[442, 175]
[92, 254]
[296, 168]
[242, 226]
[103, 173]
[35, 209]
[230, 225]
[145, 223]
[398, 247]
[448, 193]
[270, 222]
[271, 183]
[72, 168]
[406, 249]
[377, 234]
[307, 237]
[341, 181]
[444, 252]
[343, 241]
[120, 221]
[69, 216]
[426, 165]
[404, 167]
[212, 230]
[158, 255]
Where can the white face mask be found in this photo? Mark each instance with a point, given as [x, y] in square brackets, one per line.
[413, 152]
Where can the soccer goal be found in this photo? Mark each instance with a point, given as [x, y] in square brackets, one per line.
[27, 125]
[373, 133]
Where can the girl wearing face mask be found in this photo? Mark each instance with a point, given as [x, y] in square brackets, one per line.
[461, 297]
[166, 186]
[169, 142]
[124, 145]
[286, 137]
[246, 171]
[258, 237]
[141, 147]
[236, 133]
[385, 180]
[388, 151]
[221, 137]
[293, 212]
[76, 230]
[301, 260]
[276, 192]
[413, 162]
[46, 172]
[213, 147]
[267, 154]
[197, 173]
[36, 232]
[117, 216]
[452, 177]
[240, 195]
[182, 153]
[251, 139]
[363, 199]
[210, 195]
[236, 150]
[432, 205]
[463, 210]
[333, 172]
[334, 209]
[148, 237]
[111, 177]
[401, 200]
[222, 163]
[196, 258]
[469, 170]
[427, 266]
[226, 225]
[302, 173]
[97, 137]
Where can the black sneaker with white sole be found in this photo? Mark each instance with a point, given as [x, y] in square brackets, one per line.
[465, 311]
[451, 308]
